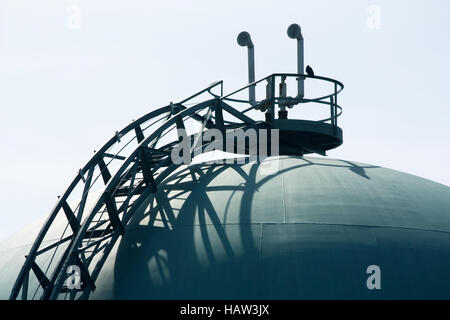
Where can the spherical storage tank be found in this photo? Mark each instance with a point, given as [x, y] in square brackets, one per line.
[308, 231]
[287, 227]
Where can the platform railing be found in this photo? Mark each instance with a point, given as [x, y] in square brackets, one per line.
[274, 99]
[91, 231]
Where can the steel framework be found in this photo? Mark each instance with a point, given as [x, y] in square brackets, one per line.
[134, 162]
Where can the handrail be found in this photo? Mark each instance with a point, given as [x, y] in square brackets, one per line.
[338, 87]
[171, 116]
[95, 159]
[274, 75]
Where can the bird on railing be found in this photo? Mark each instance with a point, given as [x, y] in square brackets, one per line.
[309, 71]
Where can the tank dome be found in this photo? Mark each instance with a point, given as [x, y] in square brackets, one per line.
[307, 229]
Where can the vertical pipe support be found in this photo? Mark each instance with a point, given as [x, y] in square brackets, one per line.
[251, 74]
[300, 68]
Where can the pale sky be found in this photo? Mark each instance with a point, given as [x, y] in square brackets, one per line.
[66, 87]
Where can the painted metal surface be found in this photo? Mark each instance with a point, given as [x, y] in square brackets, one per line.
[289, 227]
[134, 170]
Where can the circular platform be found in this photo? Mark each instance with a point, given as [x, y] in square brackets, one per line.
[299, 137]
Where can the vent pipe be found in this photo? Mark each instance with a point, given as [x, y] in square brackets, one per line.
[244, 40]
[295, 32]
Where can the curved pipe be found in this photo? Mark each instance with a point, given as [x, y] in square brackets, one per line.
[295, 32]
[244, 40]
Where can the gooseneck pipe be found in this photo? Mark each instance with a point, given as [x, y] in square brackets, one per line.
[244, 40]
[295, 32]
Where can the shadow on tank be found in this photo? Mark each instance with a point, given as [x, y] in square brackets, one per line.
[204, 237]
[179, 246]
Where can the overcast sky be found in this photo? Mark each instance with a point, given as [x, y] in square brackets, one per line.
[73, 72]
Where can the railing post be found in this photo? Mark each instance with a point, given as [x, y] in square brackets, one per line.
[332, 112]
[272, 105]
[335, 103]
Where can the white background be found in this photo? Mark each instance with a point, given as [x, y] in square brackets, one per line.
[65, 90]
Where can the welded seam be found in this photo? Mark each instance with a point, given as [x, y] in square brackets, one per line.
[275, 223]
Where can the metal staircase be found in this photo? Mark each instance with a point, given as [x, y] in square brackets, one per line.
[130, 167]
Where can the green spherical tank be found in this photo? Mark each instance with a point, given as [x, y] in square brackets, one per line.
[287, 228]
